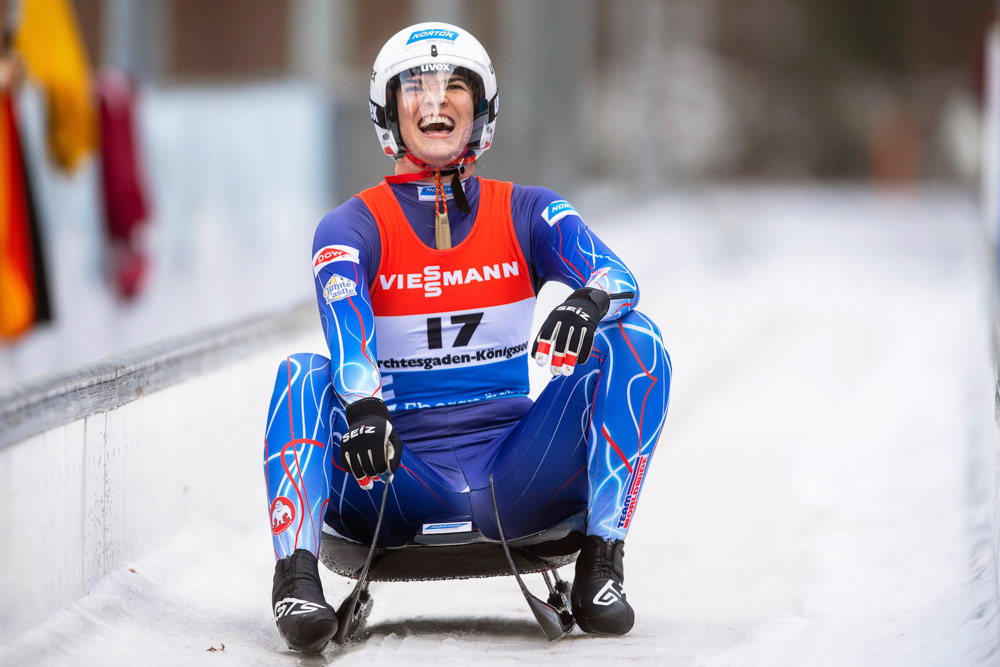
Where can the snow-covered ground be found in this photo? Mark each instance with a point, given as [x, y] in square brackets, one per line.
[822, 494]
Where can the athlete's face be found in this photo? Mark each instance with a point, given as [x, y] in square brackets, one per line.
[435, 115]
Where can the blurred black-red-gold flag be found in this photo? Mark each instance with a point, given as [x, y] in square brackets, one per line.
[18, 305]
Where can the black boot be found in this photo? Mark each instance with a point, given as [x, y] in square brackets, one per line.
[599, 604]
[304, 618]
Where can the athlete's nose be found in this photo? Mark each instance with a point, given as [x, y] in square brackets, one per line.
[434, 93]
[433, 99]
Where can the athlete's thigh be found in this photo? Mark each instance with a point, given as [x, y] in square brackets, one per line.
[539, 466]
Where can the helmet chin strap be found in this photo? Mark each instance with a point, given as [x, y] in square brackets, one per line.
[442, 227]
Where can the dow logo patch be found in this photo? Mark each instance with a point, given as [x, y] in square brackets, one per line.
[334, 253]
[282, 515]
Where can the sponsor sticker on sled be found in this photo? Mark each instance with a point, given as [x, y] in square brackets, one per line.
[282, 515]
[558, 210]
[632, 495]
[448, 527]
[334, 253]
[338, 287]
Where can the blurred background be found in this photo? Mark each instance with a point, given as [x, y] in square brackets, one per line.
[166, 161]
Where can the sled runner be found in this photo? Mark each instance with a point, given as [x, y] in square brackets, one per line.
[462, 555]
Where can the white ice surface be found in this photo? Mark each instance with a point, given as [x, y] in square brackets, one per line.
[822, 493]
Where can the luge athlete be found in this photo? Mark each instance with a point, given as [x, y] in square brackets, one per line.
[426, 286]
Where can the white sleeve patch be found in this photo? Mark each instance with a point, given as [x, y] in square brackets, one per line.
[334, 253]
[558, 210]
[339, 287]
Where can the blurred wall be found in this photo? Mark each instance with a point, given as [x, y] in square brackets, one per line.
[646, 92]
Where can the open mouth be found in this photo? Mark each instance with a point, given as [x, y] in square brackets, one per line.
[430, 124]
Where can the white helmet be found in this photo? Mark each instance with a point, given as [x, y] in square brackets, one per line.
[433, 44]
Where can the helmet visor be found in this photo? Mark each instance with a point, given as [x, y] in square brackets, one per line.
[436, 105]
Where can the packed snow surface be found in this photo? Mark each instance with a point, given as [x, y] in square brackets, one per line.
[822, 492]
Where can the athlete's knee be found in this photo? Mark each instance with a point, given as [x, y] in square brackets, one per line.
[634, 338]
[643, 321]
[292, 367]
[631, 328]
[637, 318]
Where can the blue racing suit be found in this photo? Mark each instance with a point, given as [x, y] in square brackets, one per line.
[441, 336]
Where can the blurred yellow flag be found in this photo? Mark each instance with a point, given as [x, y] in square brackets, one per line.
[49, 40]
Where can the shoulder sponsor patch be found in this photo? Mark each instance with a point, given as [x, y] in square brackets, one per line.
[558, 210]
[338, 287]
[334, 253]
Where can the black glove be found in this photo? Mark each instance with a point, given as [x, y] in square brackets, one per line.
[371, 445]
[568, 332]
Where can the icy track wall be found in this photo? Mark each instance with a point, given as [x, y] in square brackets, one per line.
[991, 227]
[104, 462]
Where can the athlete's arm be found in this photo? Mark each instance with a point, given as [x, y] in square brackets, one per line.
[346, 253]
[564, 249]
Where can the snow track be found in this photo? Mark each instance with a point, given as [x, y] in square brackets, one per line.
[823, 492]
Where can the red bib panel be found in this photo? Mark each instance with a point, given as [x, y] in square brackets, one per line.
[451, 326]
